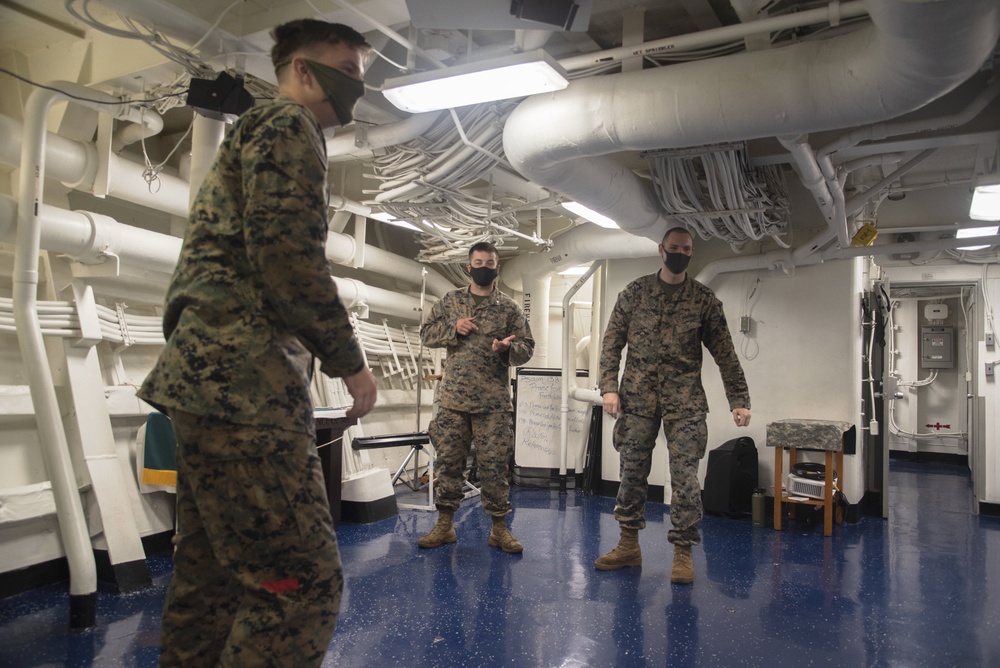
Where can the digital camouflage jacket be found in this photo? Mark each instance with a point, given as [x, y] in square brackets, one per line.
[662, 375]
[251, 300]
[476, 379]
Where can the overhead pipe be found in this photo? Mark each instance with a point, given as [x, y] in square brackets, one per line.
[857, 203]
[914, 53]
[812, 178]
[92, 238]
[568, 367]
[75, 165]
[832, 14]
[884, 130]
[52, 435]
[361, 141]
[835, 179]
[781, 259]
[206, 138]
[142, 125]
[531, 273]
[786, 261]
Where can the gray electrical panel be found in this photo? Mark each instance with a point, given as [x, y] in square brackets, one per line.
[937, 347]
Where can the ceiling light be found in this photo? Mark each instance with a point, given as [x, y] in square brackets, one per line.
[972, 232]
[517, 75]
[591, 215]
[985, 203]
[388, 218]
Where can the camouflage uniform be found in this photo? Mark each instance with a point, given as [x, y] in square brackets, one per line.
[474, 397]
[662, 381]
[250, 303]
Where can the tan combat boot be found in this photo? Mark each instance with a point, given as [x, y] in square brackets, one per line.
[626, 553]
[683, 568]
[500, 536]
[443, 532]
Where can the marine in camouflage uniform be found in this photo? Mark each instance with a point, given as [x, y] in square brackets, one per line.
[665, 324]
[257, 573]
[473, 398]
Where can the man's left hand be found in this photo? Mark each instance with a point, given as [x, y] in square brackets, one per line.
[500, 346]
[742, 417]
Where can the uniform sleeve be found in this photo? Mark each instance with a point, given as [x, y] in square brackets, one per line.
[438, 331]
[615, 337]
[284, 179]
[719, 342]
[523, 346]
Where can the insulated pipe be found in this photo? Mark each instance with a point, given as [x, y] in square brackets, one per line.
[361, 144]
[75, 164]
[141, 125]
[801, 259]
[92, 238]
[355, 294]
[532, 274]
[914, 53]
[569, 369]
[857, 203]
[913, 246]
[884, 130]
[812, 178]
[206, 138]
[52, 435]
[341, 248]
[831, 14]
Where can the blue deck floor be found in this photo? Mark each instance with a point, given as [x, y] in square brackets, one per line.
[921, 589]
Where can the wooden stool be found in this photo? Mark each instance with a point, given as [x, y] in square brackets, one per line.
[815, 435]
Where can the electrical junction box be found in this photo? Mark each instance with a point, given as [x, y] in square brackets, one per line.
[936, 311]
[937, 347]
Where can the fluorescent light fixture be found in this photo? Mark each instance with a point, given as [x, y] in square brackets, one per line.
[589, 214]
[517, 75]
[985, 203]
[388, 218]
[972, 232]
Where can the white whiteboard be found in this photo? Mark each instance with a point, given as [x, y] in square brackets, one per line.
[537, 421]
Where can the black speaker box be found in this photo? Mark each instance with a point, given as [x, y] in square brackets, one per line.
[731, 477]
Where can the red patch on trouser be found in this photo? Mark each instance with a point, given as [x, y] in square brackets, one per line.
[279, 586]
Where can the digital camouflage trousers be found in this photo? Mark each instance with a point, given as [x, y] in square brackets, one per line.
[257, 577]
[453, 433]
[634, 439]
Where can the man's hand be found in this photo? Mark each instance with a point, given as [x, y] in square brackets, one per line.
[612, 404]
[742, 417]
[362, 387]
[500, 346]
[466, 326]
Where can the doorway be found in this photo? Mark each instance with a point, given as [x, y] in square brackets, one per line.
[928, 400]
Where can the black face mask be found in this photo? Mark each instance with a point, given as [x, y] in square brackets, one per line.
[483, 276]
[677, 263]
[342, 92]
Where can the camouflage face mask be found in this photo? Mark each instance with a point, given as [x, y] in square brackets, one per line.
[342, 92]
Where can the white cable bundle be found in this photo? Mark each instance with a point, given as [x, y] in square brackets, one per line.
[712, 191]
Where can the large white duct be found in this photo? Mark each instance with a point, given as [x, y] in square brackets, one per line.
[531, 274]
[914, 53]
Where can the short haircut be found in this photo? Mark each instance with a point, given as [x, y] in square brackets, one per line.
[483, 247]
[309, 33]
[682, 230]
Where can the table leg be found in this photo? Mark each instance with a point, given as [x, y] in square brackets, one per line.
[828, 496]
[778, 456]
